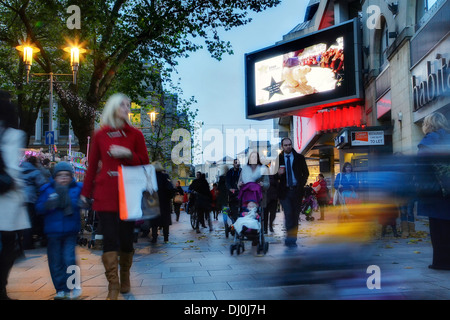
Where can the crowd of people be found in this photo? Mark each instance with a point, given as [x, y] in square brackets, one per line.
[43, 204]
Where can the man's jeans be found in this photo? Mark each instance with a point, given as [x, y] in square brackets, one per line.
[61, 255]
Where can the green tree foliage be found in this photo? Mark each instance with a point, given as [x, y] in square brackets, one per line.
[123, 38]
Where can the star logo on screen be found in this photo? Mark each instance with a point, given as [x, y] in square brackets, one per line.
[274, 88]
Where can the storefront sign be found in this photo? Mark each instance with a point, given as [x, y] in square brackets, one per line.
[306, 129]
[367, 138]
[427, 88]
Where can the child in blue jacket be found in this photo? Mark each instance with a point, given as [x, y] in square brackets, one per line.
[59, 203]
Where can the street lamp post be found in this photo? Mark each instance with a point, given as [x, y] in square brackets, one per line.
[28, 51]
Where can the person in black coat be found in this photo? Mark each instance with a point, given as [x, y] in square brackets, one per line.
[291, 187]
[166, 191]
[232, 179]
[203, 200]
[222, 199]
[177, 206]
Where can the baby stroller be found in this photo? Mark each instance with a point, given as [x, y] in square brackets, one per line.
[309, 204]
[89, 223]
[249, 225]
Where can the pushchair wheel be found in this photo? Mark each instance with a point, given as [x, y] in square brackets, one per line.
[266, 247]
[232, 248]
[263, 247]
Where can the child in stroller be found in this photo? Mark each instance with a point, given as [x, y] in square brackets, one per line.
[249, 225]
[309, 204]
[249, 220]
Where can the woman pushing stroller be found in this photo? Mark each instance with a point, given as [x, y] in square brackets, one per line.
[253, 181]
[254, 172]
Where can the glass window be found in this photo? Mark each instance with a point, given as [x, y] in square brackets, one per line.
[430, 3]
[384, 43]
[422, 7]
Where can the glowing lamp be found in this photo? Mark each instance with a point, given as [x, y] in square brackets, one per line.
[74, 59]
[28, 51]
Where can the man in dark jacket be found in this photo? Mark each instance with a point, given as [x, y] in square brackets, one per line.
[292, 176]
[203, 200]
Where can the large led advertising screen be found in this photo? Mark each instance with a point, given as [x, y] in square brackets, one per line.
[320, 69]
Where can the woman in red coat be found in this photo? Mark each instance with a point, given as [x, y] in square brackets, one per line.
[115, 143]
[321, 189]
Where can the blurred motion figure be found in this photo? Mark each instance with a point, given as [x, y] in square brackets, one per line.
[434, 159]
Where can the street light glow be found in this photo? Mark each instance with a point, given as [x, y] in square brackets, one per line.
[152, 116]
[74, 56]
[28, 55]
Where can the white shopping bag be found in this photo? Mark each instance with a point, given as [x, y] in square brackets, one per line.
[133, 181]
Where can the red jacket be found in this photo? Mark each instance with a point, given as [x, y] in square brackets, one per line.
[101, 181]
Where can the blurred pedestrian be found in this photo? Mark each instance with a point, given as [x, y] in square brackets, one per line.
[222, 197]
[14, 214]
[115, 143]
[254, 172]
[434, 150]
[203, 201]
[34, 180]
[45, 169]
[232, 179]
[292, 176]
[346, 183]
[214, 196]
[59, 204]
[177, 205]
[166, 192]
[270, 209]
[407, 219]
[322, 194]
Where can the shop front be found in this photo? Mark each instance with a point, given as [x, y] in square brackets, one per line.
[430, 70]
[314, 137]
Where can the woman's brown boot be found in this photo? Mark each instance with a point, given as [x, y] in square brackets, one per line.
[125, 262]
[111, 263]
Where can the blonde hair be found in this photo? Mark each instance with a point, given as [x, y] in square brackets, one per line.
[434, 122]
[109, 117]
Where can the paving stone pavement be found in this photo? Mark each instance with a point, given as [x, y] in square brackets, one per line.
[195, 266]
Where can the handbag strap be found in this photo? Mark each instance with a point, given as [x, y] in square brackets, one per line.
[150, 186]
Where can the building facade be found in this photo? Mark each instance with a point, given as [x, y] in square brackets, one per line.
[403, 52]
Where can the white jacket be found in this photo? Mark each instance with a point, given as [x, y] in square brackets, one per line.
[13, 211]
